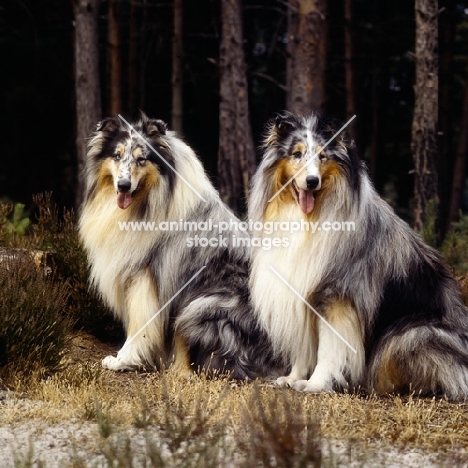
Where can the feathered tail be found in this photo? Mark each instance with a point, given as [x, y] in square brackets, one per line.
[433, 358]
[221, 341]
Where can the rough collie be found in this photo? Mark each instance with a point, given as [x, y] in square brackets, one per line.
[371, 306]
[180, 299]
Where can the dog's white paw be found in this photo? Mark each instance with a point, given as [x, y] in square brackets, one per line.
[115, 364]
[311, 387]
[285, 382]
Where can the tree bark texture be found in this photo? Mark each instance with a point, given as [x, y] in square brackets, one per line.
[134, 56]
[378, 95]
[177, 67]
[350, 80]
[87, 86]
[236, 154]
[425, 121]
[114, 48]
[306, 49]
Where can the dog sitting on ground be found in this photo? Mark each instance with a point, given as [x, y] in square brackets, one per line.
[177, 301]
[373, 307]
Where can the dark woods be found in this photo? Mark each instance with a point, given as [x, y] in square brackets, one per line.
[216, 70]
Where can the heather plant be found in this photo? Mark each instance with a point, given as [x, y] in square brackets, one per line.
[56, 232]
[43, 296]
[33, 321]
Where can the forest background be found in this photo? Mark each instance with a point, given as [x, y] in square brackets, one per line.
[217, 70]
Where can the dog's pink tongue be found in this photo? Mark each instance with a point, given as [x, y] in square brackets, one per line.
[124, 200]
[306, 200]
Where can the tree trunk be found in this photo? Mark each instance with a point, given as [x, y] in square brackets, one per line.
[378, 95]
[236, 154]
[177, 70]
[446, 147]
[143, 54]
[459, 170]
[114, 77]
[134, 57]
[306, 62]
[87, 86]
[424, 128]
[350, 80]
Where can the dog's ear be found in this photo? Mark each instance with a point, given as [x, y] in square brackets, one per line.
[279, 127]
[152, 126]
[328, 128]
[108, 124]
[155, 126]
[285, 122]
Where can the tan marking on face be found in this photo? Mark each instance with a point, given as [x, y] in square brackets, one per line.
[105, 177]
[137, 152]
[299, 148]
[146, 176]
[330, 171]
[283, 171]
[120, 150]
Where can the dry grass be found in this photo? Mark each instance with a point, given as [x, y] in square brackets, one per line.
[286, 424]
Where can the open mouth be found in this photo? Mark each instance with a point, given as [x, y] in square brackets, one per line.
[305, 198]
[124, 199]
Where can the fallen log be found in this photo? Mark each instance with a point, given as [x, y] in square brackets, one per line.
[39, 259]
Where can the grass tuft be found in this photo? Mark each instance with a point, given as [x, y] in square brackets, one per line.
[279, 435]
[103, 418]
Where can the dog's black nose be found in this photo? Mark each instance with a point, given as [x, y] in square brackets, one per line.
[124, 185]
[312, 182]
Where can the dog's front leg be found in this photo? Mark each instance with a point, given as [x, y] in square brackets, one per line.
[145, 326]
[298, 372]
[303, 353]
[340, 356]
[127, 358]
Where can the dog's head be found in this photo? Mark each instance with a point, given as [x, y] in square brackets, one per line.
[306, 155]
[129, 158]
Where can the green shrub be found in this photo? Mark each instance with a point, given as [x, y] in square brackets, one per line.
[455, 246]
[429, 231]
[19, 222]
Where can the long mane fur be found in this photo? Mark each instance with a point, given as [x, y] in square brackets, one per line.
[405, 318]
[139, 272]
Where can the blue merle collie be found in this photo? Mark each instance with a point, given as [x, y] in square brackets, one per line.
[178, 303]
[373, 307]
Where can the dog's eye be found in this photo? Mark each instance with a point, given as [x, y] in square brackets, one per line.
[141, 161]
[297, 155]
[323, 157]
[117, 156]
